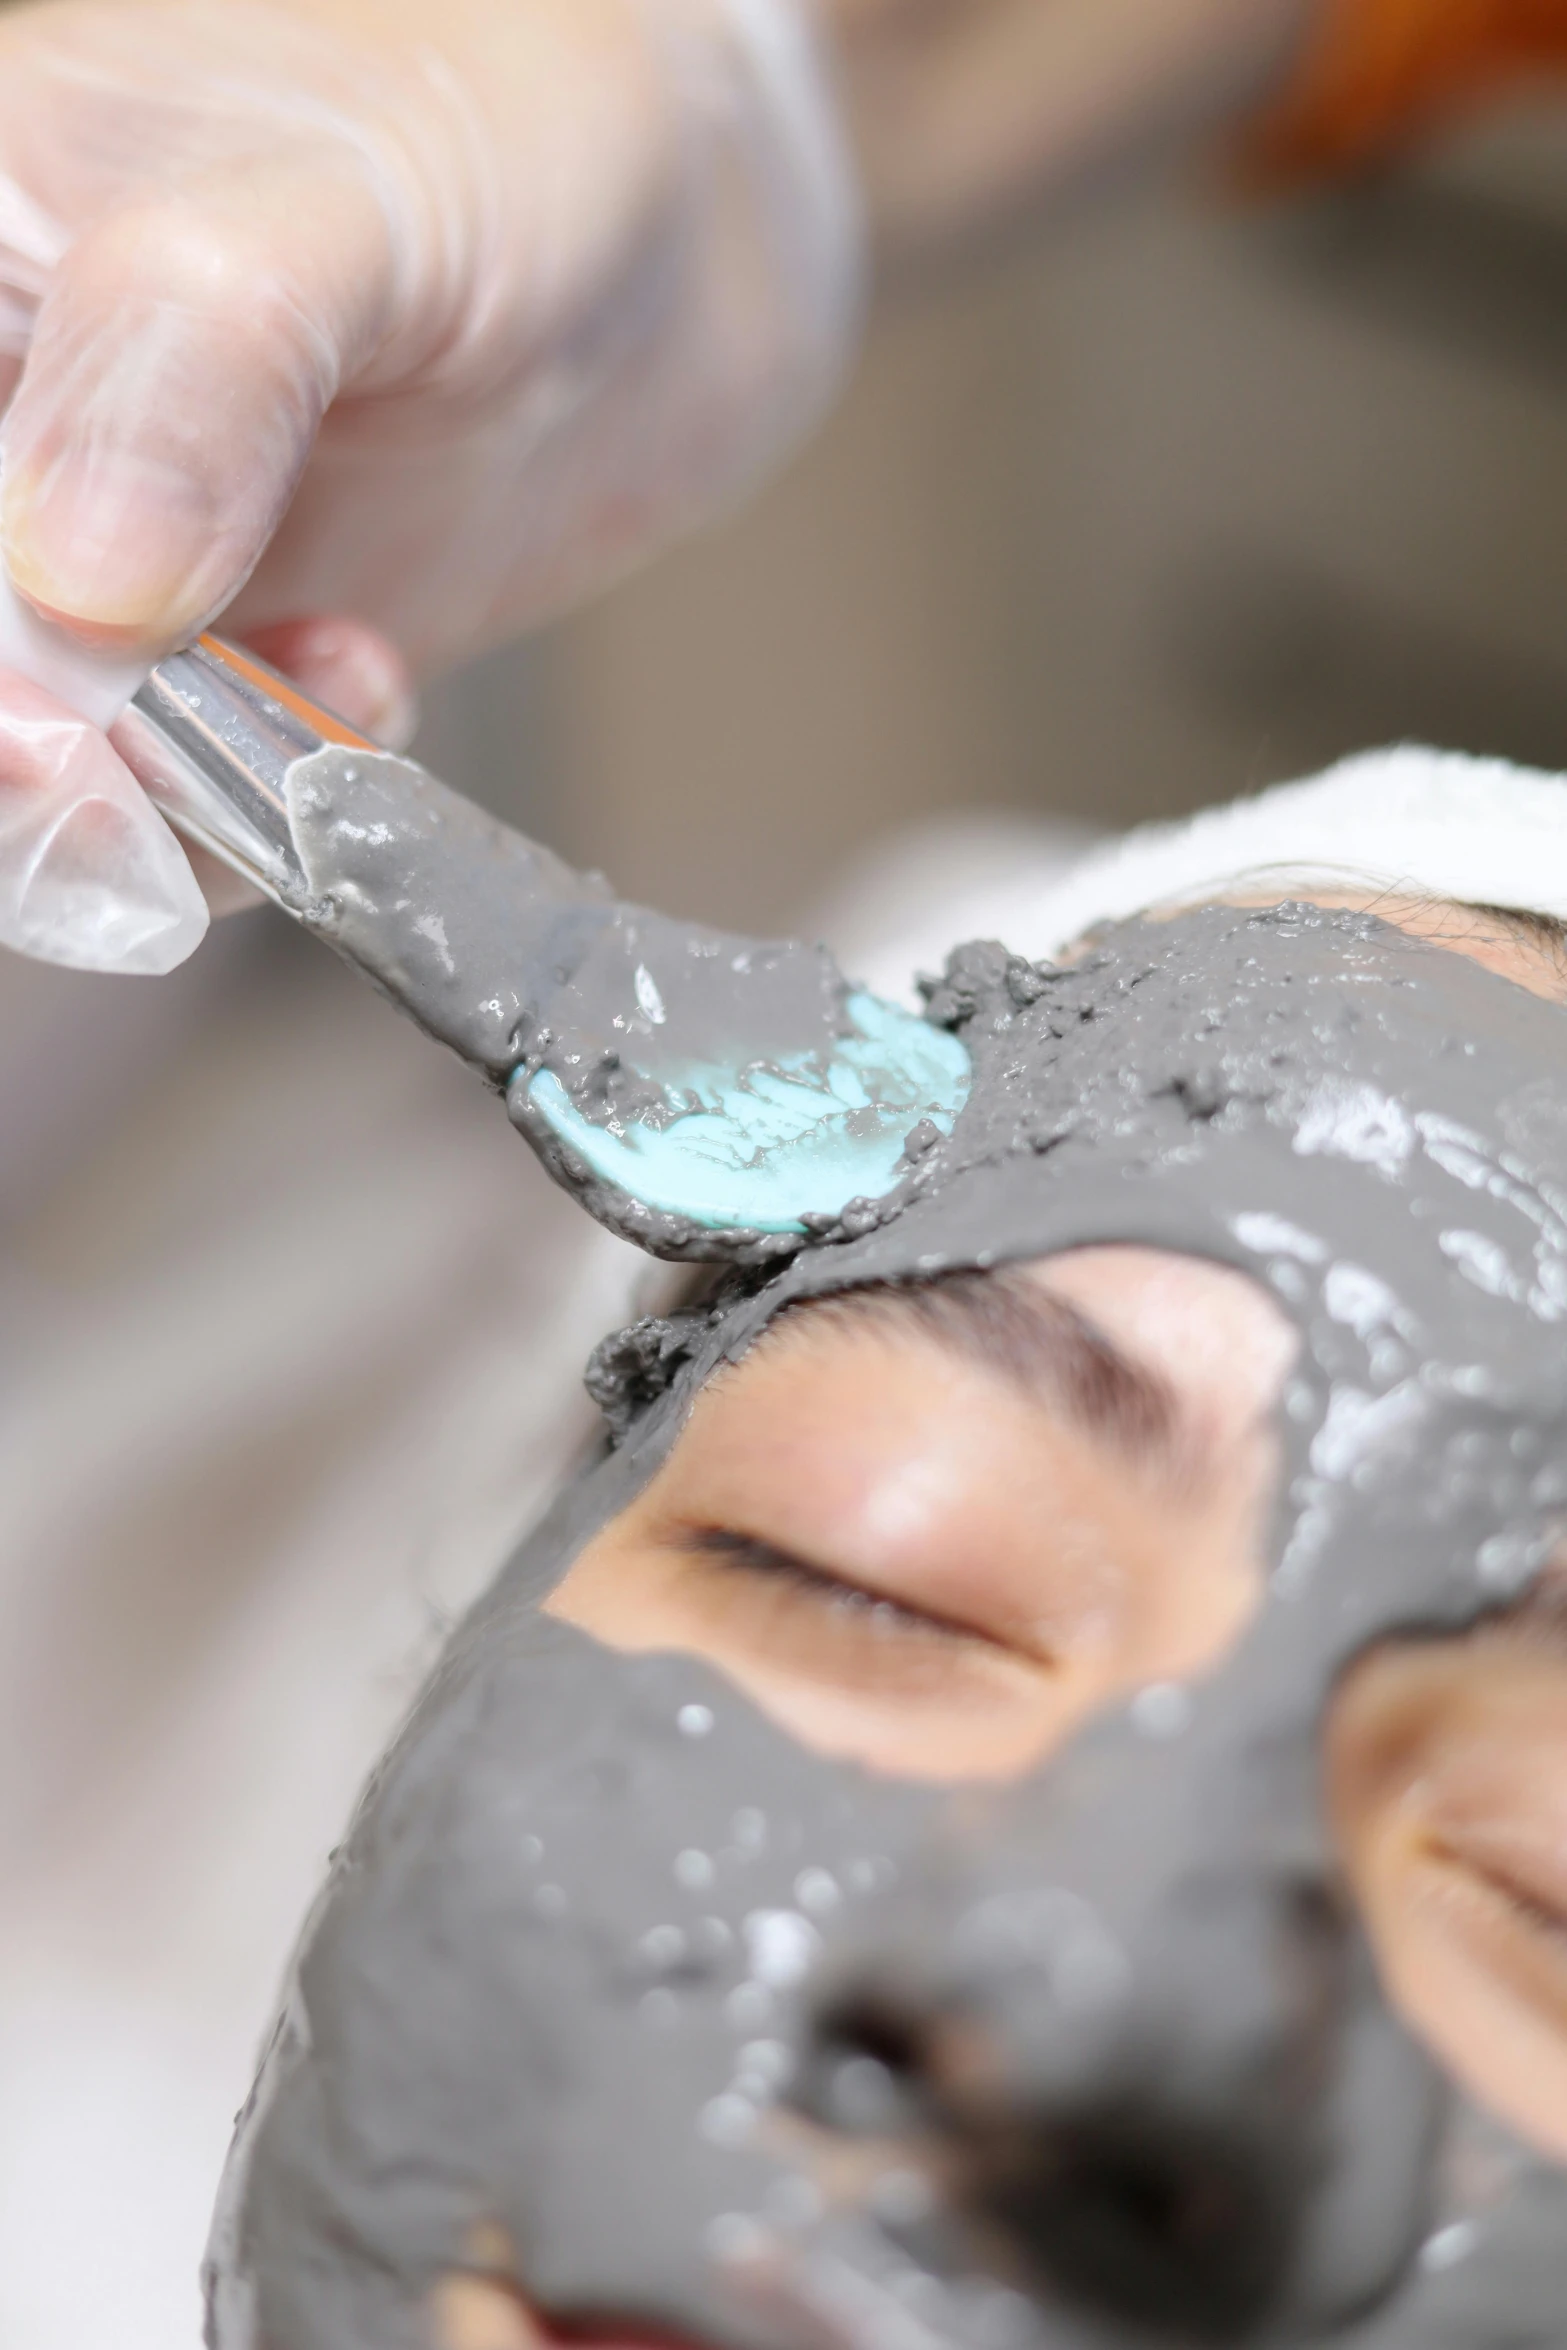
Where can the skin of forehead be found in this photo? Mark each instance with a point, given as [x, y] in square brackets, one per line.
[1374, 1128]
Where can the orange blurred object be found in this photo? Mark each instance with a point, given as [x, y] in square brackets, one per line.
[1375, 75]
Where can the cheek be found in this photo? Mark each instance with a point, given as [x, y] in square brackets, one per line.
[1452, 1963]
[1439, 1797]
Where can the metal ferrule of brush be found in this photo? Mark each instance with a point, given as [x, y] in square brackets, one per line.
[211, 738]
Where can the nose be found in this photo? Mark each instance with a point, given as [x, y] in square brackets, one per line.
[1130, 2204]
[1152, 2137]
[1151, 2217]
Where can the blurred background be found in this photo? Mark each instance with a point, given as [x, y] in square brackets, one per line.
[1178, 498]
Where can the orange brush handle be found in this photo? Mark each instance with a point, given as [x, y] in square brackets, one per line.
[326, 723]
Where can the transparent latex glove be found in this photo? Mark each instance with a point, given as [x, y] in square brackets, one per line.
[90, 875]
[435, 312]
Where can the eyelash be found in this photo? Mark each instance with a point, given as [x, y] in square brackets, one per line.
[745, 1554]
[1550, 1924]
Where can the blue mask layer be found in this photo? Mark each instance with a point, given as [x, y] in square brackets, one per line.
[762, 1146]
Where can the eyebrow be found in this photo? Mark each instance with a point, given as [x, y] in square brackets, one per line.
[1044, 1348]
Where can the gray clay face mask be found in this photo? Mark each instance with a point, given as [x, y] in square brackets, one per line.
[613, 1969]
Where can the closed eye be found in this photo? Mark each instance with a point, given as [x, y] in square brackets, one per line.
[1542, 1917]
[749, 1554]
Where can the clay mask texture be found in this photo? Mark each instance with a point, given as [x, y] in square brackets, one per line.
[522, 2004]
[701, 1094]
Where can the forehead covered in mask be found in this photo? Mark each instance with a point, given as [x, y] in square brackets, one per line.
[583, 1971]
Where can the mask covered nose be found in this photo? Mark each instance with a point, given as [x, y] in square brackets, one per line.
[1149, 2072]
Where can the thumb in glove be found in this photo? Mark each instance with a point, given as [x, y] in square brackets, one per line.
[90, 875]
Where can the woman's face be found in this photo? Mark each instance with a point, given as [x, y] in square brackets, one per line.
[939, 1530]
[936, 1531]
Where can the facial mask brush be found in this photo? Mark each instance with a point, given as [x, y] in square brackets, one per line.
[702, 1094]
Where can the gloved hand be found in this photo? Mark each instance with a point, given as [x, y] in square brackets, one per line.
[432, 312]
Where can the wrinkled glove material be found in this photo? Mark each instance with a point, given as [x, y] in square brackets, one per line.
[549, 317]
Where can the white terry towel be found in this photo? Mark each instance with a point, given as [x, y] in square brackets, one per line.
[1409, 821]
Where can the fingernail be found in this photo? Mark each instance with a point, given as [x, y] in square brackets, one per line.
[111, 543]
[395, 720]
